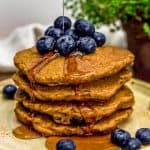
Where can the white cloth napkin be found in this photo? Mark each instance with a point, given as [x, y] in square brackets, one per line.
[21, 38]
[26, 36]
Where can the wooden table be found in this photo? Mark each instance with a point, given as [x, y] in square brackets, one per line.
[4, 76]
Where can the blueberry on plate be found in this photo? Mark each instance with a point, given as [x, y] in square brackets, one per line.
[84, 28]
[45, 44]
[65, 45]
[54, 32]
[143, 135]
[9, 91]
[86, 45]
[133, 144]
[120, 137]
[72, 33]
[65, 145]
[61, 22]
[99, 38]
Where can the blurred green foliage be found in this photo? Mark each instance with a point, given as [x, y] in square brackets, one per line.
[108, 11]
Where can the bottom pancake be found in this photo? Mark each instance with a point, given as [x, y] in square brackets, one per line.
[44, 125]
[69, 113]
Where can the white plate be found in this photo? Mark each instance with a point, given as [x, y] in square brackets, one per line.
[140, 118]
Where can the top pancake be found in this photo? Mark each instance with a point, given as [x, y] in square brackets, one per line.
[104, 62]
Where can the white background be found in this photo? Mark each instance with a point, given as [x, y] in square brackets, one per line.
[14, 13]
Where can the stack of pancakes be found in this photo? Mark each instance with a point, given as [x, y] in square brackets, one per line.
[73, 95]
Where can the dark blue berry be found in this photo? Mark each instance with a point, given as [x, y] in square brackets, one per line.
[120, 137]
[65, 145]
[45, 44]
[9, 91]
[143, 135]
[84, 28]
[72, 33]
[58, 23]
[86, 45]
[75, 121]
[99, 38]
[65, 45]
[54, 32]
[133, 144]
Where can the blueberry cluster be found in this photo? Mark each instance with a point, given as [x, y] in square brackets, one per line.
[123, 138]
[60, 36]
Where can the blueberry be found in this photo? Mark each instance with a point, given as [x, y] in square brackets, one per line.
[120, 137]
[84, 27]
[58, 23]
[143, 135]
[99, 38]
[45, 44]
[133, 144]
[77, 121]
[65, 145]
[9, 91]
[65, 45]
[54, 32]
[86, 45]
[72, 33]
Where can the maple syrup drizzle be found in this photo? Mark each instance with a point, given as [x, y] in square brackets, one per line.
[37, 67]
[41, 63]
[76, 66]
[63, 15]
[87, 143]
[25, 132]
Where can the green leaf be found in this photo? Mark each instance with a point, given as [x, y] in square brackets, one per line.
[147, 28]
[108, 11]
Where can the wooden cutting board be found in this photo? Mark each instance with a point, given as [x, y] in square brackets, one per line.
[140, 118]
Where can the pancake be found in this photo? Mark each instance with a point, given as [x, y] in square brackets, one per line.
[101, 89]
[52, 69]
[71, 113]
[47, 127]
